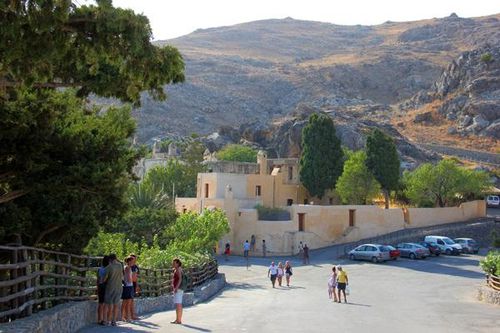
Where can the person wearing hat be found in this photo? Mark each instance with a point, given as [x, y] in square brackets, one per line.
[342, 282]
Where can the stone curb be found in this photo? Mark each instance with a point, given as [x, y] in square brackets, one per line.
[73, 316]
[488, 295]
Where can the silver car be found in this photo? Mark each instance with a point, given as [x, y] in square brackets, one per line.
[468, 245]
[413, 250]
[372, 252]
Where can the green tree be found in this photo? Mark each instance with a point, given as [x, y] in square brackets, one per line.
[65, 165]
[322, 156]
[383, 161]
[237, 153]
[357, 185]
[444, 184]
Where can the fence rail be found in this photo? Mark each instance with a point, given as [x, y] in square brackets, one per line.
[33, 279]
[493, 281]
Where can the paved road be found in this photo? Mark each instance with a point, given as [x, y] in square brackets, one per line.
[435, 295]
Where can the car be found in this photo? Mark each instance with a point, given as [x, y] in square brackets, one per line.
[432, 247]
[373, 252]
[446, 245]
[493, 201]
[413, 250]
[468, 245]
[393, 252]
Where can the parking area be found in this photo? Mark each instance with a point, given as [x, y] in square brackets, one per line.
[436, 294]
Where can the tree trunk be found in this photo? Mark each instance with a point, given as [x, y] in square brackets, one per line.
[386, 198]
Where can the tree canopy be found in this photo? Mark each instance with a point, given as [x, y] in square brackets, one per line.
[322, 156]
[357, 185]
[237, 153]
[65, 165]
[383, 161]
[444, 184]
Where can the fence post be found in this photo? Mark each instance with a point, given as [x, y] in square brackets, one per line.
[27, 283]
[13, 276]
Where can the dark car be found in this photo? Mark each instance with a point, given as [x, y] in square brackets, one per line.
[432, 247]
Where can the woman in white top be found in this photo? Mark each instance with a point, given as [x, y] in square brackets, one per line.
[273, 273]
[332, 284]
[280, 273]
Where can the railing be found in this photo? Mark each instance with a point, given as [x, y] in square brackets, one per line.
[33, 279]
[493, 281]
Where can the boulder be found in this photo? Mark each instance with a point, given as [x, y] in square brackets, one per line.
[423, 117]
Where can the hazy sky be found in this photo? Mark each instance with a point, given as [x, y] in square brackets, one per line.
[171, 19]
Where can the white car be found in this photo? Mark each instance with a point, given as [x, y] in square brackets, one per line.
[493, 201]
[446, 244]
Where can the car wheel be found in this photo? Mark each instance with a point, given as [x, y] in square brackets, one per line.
[351, 256]
[412, 256]
[448, 252]
[374, 260]
[437, 254]
[394, 258]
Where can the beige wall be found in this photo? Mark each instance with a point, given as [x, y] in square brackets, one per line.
[421, 217]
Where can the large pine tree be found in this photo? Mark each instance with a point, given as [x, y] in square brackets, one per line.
[383, 161]
[322, 157]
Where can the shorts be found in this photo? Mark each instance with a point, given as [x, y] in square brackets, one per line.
[178, 296]
[273, 277]
[245, 253]
[112, 295]
[341, 286]
[101, 291]
[128, 292]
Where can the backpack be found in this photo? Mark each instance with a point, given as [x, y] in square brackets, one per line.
[185, 281]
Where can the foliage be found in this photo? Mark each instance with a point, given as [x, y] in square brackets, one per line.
[146, 195]
[237, 153]
[495, 239]
[491, 263]
[176, 178]
[383, 161]
[444, 184]
[487, 57]
[194, 232]
[357, 185]
[65, 166]
[322, 156]
[272, 214]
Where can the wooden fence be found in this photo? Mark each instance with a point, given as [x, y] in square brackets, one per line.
[493, 281]
[33, 279]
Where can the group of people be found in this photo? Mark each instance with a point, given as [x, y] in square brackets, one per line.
[118, 281]
[337, 284]
[277, 272]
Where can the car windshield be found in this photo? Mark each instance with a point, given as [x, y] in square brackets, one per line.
[386, 248]
[448, 241]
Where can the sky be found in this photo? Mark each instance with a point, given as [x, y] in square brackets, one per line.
[170, 19]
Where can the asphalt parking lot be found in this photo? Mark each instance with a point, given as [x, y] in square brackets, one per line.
[432, 295]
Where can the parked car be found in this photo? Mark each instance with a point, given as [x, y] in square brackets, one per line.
[393, 252]
[493, 201]
[413, 250]
[372, 252]
[446, 245]
[468, 245]
[432, 247]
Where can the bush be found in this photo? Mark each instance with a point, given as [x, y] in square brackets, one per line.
[272, 214]
[237, 153]
[487, 57]
[491, 263]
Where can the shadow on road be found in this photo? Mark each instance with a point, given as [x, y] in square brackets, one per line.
[196, 328]
[243, 285]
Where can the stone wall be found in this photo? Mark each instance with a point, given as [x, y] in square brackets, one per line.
[70, 317]
[488, 295]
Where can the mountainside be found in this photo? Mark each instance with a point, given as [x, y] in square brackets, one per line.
[259, 71]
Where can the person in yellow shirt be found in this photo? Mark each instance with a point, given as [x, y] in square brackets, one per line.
[342, 282]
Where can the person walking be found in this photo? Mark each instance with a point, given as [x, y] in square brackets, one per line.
[252, 243]
[342, 283]
[128, 291]
[101, 290]
[246, 248]
[272, 272]
[280, 273]
[177, 291]
[227, 251]
[301, 251]
[113, 277]
[135, 278]
[332, 284]
[264, 248]
[306, 254]
[288, 273]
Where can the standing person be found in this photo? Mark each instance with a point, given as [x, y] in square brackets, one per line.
[273, 273]
[135, 278]
[280, 273]
[227, 251]
[246, 248]
[252, 243]
[177, 291]
[113, 277]
[332, 284]
[101, 289]
[264, 248]
[288, 272]
[128, 290]
[301, 250]
[306, 254]
[342, 282]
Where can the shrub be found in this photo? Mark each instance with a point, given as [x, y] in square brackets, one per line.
[487, 57]
[237, 153]
[491, 263]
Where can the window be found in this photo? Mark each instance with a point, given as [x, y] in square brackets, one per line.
[289, 202]
[301, 221]
[352, 217]
[290, 173]
[258, 190]
[306, 201]
[206, 190]
[330, 201]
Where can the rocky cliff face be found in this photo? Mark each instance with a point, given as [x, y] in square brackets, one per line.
[467, 94]
[260, 71]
